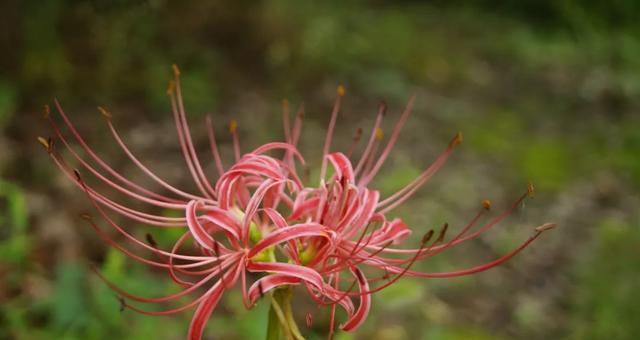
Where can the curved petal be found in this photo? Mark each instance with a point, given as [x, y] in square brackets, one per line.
[267, 283]
[365, 302]
[303, 273]
[342, 166]
[288, 233]
[197, 230]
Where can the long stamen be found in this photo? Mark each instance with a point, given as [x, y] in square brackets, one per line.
[332, 125]
[214, 146]
[365, 154]
[91, 153]
[392, 140]
[233, 130]
[175, 97]
[403, 194]
[141, 166]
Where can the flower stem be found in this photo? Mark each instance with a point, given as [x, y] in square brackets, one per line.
[281, 321]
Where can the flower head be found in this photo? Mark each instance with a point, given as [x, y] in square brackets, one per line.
[260, 221]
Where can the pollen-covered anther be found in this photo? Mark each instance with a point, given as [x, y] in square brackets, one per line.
[104, 112]
[47, 143]
[341, 91]
[545, 227]
[176, 70]
[379, 134]
[171, 87]
[486, 204]
[233, 126]
[285, 103]
[457, 140]
[46, 111]
[530, 190]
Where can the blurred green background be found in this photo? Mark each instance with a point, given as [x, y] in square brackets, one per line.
[544, 91]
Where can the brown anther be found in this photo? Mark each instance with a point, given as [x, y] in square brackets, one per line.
[176, 70]
[233, 126]
[123, 303]
[545, 227]
[427, 237]
[77, 173]
[46, 111]
[456, 140]
[152, 242]
[104, 112]
[443, 232]
[341, 91]
[530, 190]
[358, 134]
[486, 204]
[285, 103]
[383, 106]
[379, 134]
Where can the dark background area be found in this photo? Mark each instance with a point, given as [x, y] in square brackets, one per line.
[544, 91]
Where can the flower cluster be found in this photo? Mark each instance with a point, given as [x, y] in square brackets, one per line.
[260, 222]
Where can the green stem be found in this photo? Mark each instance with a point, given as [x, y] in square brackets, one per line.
[281, 321]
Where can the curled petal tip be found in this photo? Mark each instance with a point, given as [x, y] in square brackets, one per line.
[545, 227]
[341, 91]
[486, 204]
[457, 140]
[104, 112]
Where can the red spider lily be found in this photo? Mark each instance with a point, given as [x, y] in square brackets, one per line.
[260, 218]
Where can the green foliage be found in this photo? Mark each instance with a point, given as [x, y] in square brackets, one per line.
[14, 219]
[605, 300]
